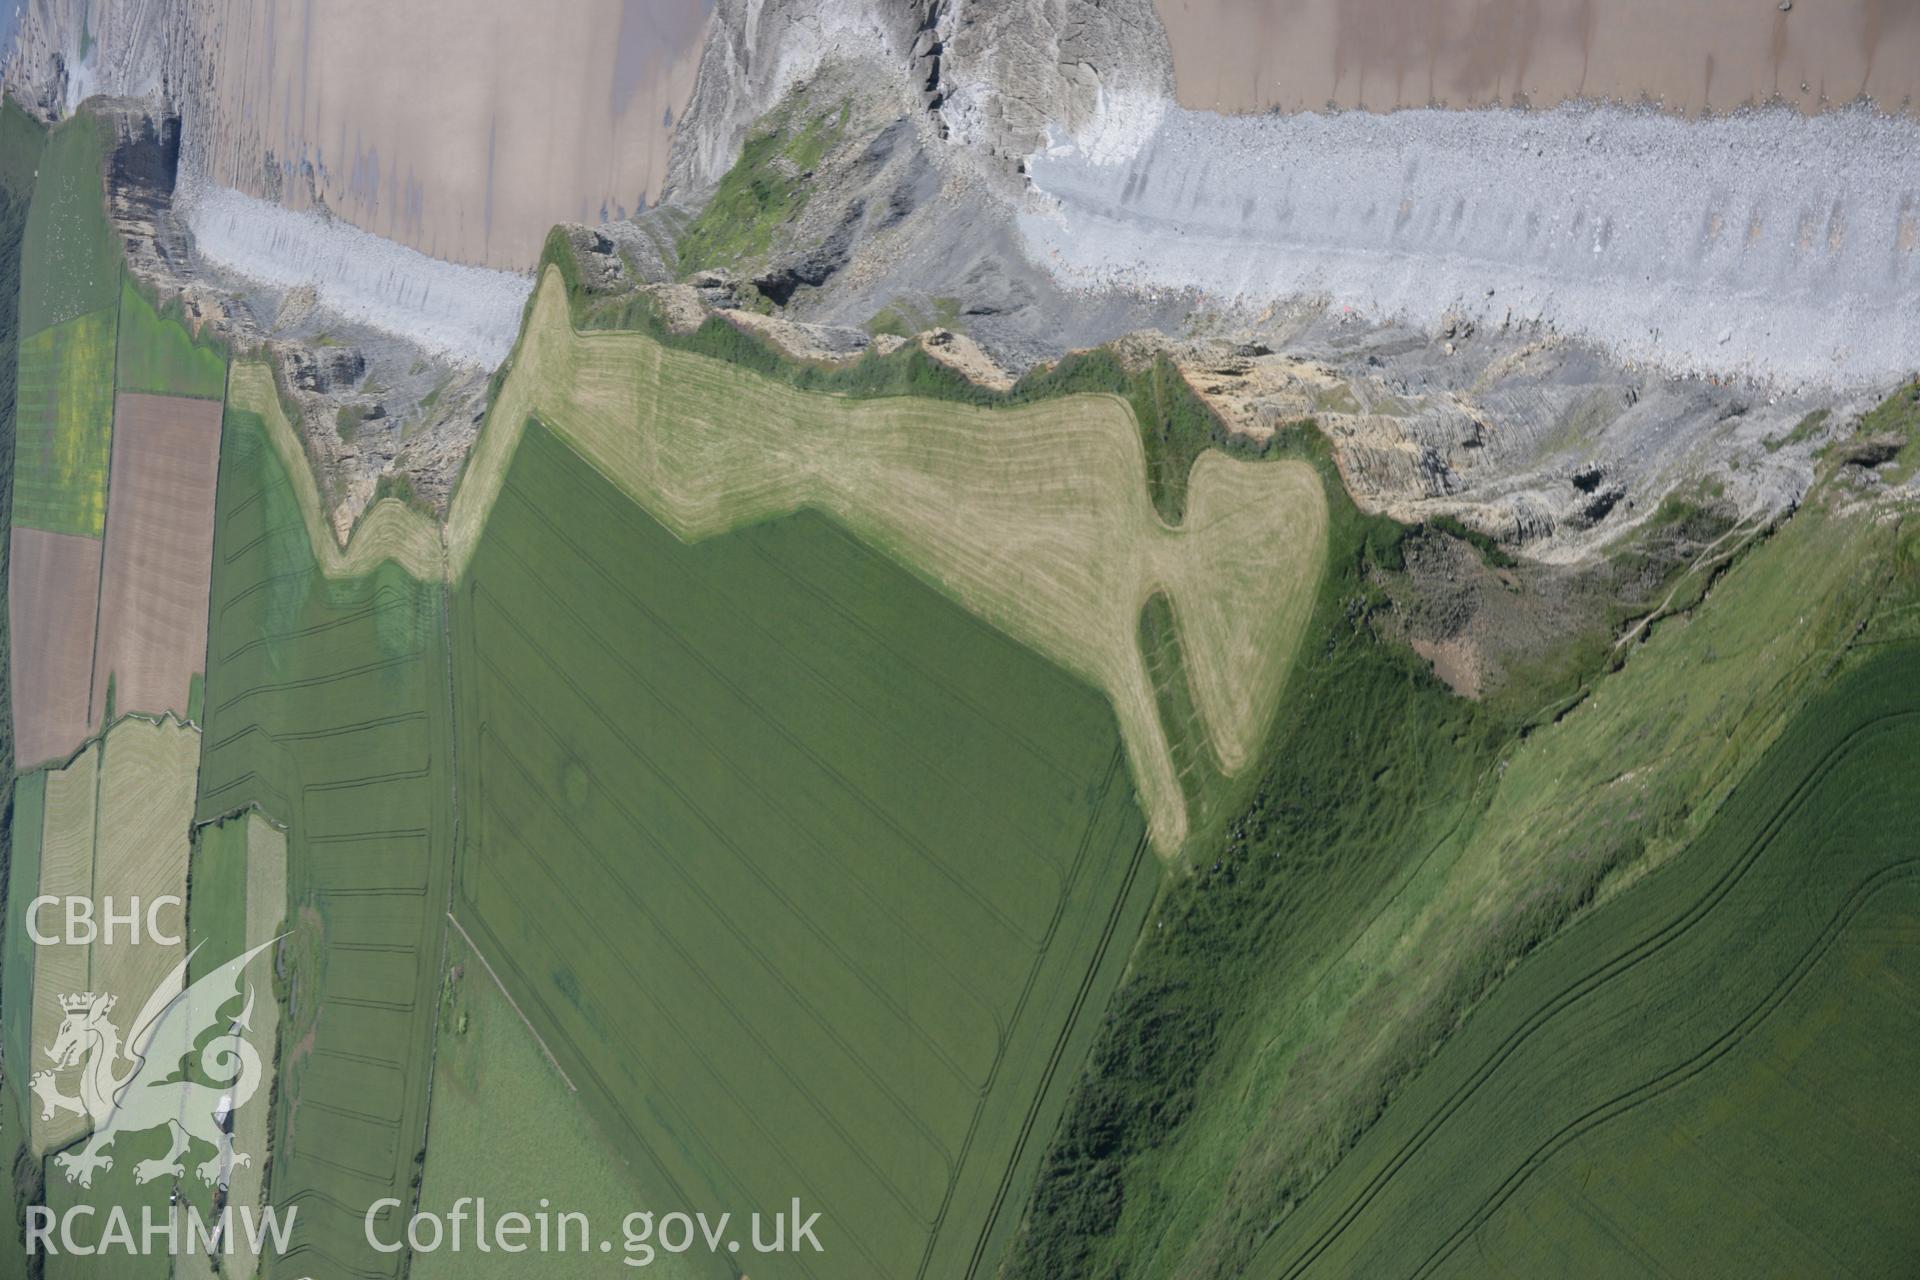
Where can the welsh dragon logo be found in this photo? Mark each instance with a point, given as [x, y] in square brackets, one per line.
[142, 1083]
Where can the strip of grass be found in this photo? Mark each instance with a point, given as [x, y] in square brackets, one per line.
[326, 706]
[67, 845]
[71, 260]
[158, 356]
[24, 1171]
[1203, 782]
[236, 899]
[812, 880]
[217, 895]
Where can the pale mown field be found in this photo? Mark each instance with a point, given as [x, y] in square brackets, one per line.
[1035, 518]
[66, 871]
[115, 828]
[147, 778]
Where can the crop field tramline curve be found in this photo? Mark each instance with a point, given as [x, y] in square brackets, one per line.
[1762, 825]
[1904, 874]
[1037, 518]
[769, 1134]
[638, 904]
[1580, 989]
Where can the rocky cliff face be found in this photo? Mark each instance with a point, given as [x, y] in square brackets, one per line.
[993, 75]
[66, 51]
[1008, 74]
[921, 216]
[757, 51]
[1542, 440]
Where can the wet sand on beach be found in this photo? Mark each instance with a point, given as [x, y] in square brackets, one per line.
[1690, 56]
[462, 128]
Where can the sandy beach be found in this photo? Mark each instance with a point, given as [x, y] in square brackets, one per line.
[462, 128]
[1691, 56]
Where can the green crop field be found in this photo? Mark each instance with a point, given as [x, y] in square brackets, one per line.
[494, 1092]
[1714, 1069]
[158, 356]
[112, 1189]
[217, 895]
[70, 263]
[326, 706]
[236, 899]
[1038, 514]
[812, 881]
[65, 426]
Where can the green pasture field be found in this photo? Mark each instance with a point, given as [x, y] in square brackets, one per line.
[159, 357]
[507, 1128]
[814, 883]
[22, 139]
[70, 263]
[325, 704]
[236, 895]
[23, 882]
[1710, 1073]
[112, 1188]
[64, 426]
